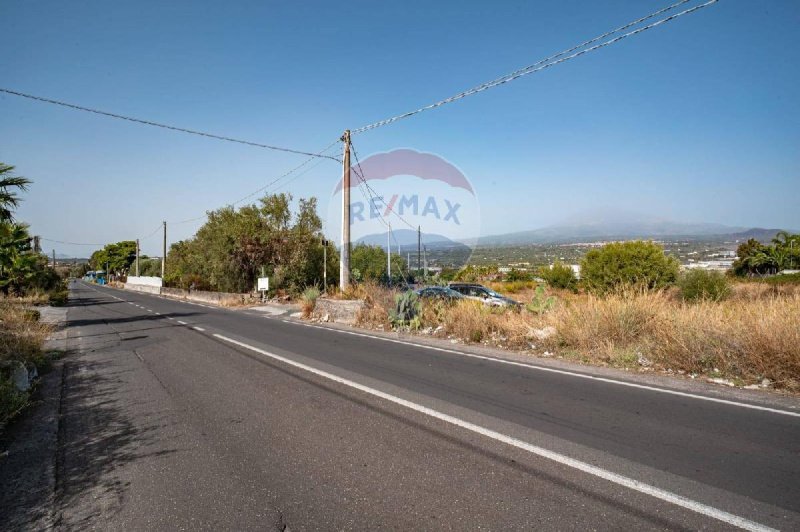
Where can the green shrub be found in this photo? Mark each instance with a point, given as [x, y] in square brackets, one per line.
[697, 285]
[559, 276]
[635, 264]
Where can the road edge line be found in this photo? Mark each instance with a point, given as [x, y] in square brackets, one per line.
[615, 478]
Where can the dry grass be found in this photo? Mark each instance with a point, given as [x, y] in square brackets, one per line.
[378, 301]
[21, 334]
[753, 335]
[747, 338]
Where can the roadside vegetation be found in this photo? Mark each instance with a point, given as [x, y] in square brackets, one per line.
[26, 281]
[635, 310]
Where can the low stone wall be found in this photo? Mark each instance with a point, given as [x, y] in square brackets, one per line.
[201, 296]
[337, 310]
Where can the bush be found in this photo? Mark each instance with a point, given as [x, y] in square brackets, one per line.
[559, 276]
[620, 265]
[697, 285]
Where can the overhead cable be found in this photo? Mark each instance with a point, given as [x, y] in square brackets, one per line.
[163, 126]
[271, 183]
[548, 62]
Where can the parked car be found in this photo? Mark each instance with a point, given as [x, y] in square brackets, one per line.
[438, 292]
[484, 294]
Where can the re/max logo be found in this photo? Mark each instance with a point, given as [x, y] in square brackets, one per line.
[406, 205]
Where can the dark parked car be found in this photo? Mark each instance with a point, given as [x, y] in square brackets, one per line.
[438, 292]
[484, 294]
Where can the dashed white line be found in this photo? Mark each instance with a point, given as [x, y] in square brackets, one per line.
[182, 322]
[621, 480]
[559, 371]
[198, 329]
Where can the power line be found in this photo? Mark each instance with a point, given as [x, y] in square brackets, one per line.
[156, 230]
[68, 243]
[274, 181]
[360, 174]
[548, 62]
[164, 126]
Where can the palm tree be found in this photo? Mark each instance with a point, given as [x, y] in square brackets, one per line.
[8, 197]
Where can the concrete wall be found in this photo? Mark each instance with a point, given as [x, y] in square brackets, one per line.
[145, 281]
[142, 288]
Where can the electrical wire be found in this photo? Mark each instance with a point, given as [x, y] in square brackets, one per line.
[548, 62]
[371, 199]
[68, 243]
[163, 126]
[274, 181]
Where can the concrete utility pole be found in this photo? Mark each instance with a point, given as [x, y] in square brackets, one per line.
[324, 265]
[389, 253]
[419, 249]
[137, 257]
[164, 253]
[344, 256]
[54, 259]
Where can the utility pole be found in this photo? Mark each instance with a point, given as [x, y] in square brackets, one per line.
[164, 254]
[419, 249]
[137, 257]
[389, 253]
[344, 256]
[54, 259]
[324, 265]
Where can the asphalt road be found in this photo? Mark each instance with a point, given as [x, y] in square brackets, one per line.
[178, 416]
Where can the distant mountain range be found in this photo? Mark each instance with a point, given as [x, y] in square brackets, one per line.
[622, 226]
[407, 239]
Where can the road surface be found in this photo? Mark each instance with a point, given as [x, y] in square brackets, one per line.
[180, 416]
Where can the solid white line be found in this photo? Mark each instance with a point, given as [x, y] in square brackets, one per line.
[182, 322]
[630, 483]
[198, 329]
[559, 371]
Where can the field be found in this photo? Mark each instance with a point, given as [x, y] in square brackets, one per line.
[751, 338]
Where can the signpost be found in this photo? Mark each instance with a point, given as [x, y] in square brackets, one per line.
[263, 287]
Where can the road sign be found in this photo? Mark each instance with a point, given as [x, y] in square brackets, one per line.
[263, 284]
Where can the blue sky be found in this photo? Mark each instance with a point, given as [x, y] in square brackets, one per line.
[698, 120]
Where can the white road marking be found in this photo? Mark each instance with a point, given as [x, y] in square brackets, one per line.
[158, 314]
[198, 329]
[148, 310]
[559, 371]
[182, 322]
[621, 480]
[170, 318]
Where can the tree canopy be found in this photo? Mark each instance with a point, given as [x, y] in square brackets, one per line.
[234, 246]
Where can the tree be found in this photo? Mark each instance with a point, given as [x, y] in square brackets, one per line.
[637, 264]
[117, 257]
[9, 185]
[234, 246]
[559, 275]
[754, 258]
